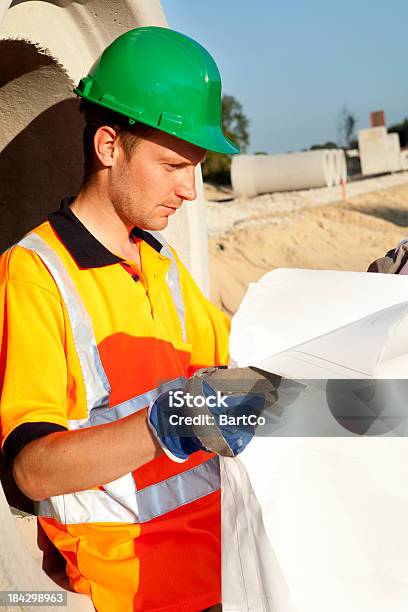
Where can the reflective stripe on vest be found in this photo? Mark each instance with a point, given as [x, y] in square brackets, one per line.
[99, 416]
[96, 506]
[97, 387]
[120, 501]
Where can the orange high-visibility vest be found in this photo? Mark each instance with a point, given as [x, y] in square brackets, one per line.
[126, 543]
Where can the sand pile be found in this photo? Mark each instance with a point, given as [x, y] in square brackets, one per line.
[250, 237]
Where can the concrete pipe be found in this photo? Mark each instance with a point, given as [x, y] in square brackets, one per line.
[21, 561]
[343, 166]
[256, 174]
[340, 166]
[4, 5]
[336, 167]
[46, 46]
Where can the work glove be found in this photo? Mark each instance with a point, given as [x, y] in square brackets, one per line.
[394, 262]
[217, 411]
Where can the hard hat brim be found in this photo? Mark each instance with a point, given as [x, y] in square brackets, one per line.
[210, 137]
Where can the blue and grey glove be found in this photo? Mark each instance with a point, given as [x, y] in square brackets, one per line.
[216, 411]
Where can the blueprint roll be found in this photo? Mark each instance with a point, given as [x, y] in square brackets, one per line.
[333, 499]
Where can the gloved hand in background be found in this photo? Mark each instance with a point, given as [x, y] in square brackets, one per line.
[393, 262]
[217, 411]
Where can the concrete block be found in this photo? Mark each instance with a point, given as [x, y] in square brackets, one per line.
[376, 150]
[394, 152]
[404, 159]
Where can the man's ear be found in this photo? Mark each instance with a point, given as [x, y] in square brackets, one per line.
[105, 144]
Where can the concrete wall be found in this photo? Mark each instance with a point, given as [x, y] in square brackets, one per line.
[45, 48]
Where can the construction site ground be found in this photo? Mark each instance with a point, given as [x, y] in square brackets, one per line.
[315, 229]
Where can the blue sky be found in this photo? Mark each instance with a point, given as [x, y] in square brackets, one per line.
[293, 64]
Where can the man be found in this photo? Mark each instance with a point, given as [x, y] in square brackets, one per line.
[101, 321]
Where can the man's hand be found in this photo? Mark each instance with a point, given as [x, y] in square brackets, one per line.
[218, 411]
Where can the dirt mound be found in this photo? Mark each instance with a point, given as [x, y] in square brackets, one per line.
[342, 236]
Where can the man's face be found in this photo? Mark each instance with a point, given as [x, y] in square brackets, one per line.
[149, 187]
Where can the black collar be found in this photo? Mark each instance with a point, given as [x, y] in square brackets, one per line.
[87, 251]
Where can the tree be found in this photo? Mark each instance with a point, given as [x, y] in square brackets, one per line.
[235, 124]
[327, 145]
[346, 122]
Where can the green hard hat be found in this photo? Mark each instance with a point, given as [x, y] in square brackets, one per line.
[163, 79]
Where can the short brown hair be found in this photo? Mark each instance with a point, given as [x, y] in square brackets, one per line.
[95, 117]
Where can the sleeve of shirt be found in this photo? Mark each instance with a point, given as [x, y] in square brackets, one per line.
[206, 325]
[33, 371]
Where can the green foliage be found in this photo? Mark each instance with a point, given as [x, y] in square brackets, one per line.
[402, 130]
[235, 124]
[327, 145]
